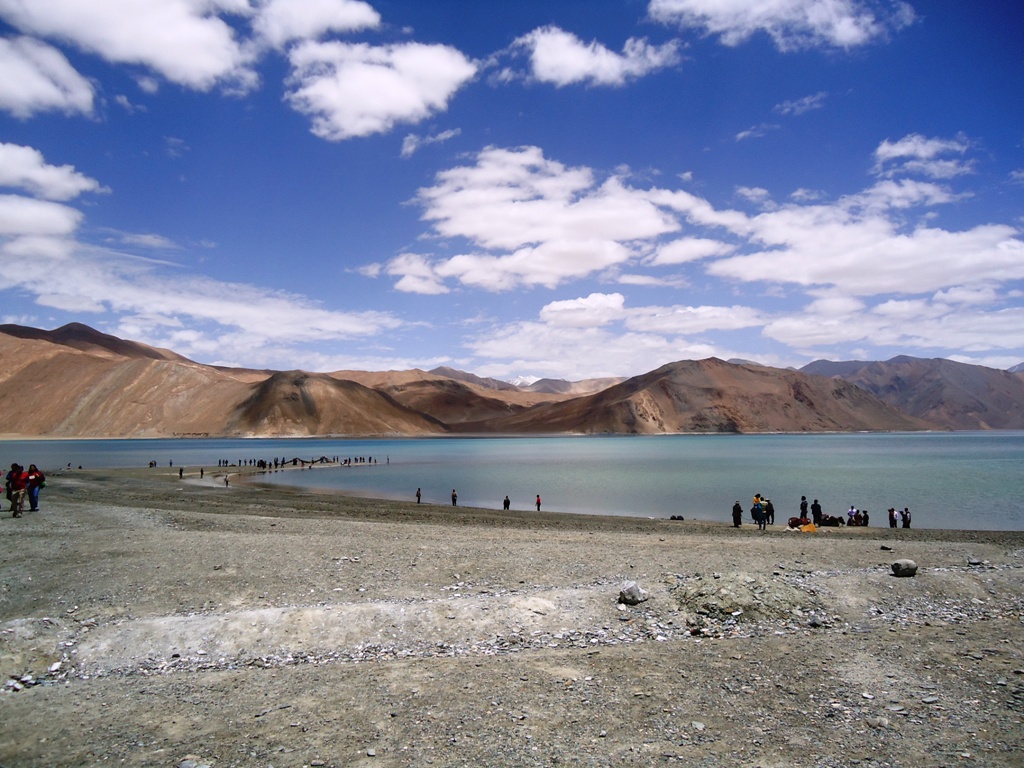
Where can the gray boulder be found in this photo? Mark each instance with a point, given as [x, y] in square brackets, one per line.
[632, 594]
[904, 568]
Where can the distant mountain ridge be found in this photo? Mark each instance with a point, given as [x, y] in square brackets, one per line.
[940, 391]
[77, 382]
[82, 337]
[713, 396]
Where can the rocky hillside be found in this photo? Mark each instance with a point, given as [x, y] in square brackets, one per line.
[77, 382]
[713, 396]
[942, 392]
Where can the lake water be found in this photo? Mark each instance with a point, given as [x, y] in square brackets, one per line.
[970, 480]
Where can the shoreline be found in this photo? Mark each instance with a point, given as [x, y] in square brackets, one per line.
[331, 502]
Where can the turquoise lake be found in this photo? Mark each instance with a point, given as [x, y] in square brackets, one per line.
[970, 480]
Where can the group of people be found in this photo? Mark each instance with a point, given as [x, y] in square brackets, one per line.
[763, 513]
[899, 519]
[21, 483]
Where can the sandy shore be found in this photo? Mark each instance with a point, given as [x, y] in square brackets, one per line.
[150, 621]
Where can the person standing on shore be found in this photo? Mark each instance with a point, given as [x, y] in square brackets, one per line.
[737, 515]
[538, 502]
[36, 480]
[892, 517]
[455, 498]
[816, 513]
[803, 507]
[906, 517]
[419, 493]
[507, 503]
[769, 512]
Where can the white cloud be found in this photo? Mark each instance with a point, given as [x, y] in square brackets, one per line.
[756, 131]
[25, 168]
[916, 154]
[593, 311]
[175, 147]
[535, 222]
[412, 142]
[356, 89]
[547, 264]
[39, 78]
[561, 58]
[126, 104]
[598, 335]
[690, 320]
[802, 106]
[148, 241]
[919, 147]
[282, 21]
[21, 216]
[546, 222]
[183, 40]
[908, 324]
[868, 255]
[791, 24]
[757, 195]
[416, 275]
[689, 249]
[577, 353]
[68, 274]
[511, 198]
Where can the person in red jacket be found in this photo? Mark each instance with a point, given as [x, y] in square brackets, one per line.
[36, 480]
[17, 485]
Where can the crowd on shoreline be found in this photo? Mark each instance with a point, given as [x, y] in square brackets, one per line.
[811, 517]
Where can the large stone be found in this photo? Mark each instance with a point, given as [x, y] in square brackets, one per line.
[632, 594]
[904, 568]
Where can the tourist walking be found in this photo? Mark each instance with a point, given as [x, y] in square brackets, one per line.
[17, 485]
[36, 480]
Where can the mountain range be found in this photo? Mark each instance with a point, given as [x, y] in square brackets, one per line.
[78, 382]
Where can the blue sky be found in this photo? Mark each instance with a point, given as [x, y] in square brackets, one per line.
[518, 189]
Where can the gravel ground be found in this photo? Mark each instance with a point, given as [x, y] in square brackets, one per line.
[147, 621]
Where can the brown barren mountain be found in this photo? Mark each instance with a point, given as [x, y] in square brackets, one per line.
[573, 388]
[945, 393]
[713, 396]
[77, 382]
[299, 403]
[86, 339]
[74, 387]
[451, 400]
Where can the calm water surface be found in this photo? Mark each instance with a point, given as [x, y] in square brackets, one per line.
[971, 480]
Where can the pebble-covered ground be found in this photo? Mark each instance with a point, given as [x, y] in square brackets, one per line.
[152, 621]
